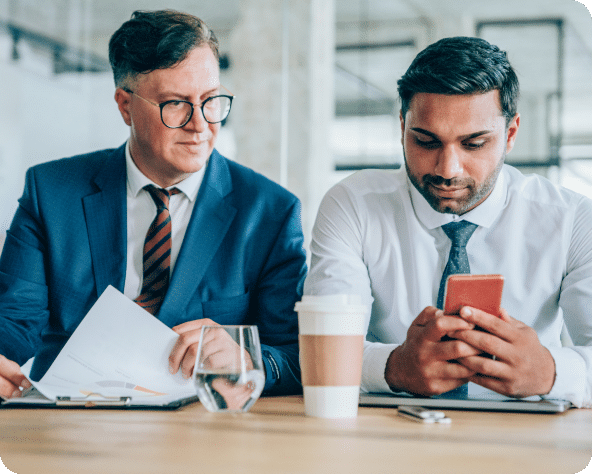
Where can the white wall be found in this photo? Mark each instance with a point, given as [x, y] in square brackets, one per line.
[44, 117]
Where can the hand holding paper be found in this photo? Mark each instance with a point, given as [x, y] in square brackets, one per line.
[119, 349]
[12, 379]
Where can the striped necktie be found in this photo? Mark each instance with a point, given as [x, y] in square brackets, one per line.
[157, 252]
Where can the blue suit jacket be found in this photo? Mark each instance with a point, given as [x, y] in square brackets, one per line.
[242, 260]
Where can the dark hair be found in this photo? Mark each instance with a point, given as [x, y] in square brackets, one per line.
[153, 40]
[461, 65]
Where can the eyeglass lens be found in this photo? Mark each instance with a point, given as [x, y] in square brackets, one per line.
[178, 113]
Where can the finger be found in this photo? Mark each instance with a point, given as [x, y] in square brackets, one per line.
[235, 396]
[500, 385]
[441, 326]
[182, 344]
[187, 363]
[504, 316]
[221, 360]
[8, 389]
[448, 377]
[487, 382]
[428, 314]
[454, 349]
[210, 345]
[214, 339]
[485, 366]
[486, 343]
[189, 334]
[11, 371]
[204, 345]
[453, 372]
[497, 385]
[503, 328]
[194, 325]
[220, 352]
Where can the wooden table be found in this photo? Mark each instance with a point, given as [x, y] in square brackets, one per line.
[276, 437]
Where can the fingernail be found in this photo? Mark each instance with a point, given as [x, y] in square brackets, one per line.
[26, 384]
[185, 376]
[466, 311]
[172, 370]
[17, 393]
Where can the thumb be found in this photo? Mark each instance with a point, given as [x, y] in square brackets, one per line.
[11, 371]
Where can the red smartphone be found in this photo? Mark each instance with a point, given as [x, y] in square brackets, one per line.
[483, 292]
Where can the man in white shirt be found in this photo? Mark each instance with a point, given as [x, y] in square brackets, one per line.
[379, 234]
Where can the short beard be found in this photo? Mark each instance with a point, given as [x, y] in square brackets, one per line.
[473, 198]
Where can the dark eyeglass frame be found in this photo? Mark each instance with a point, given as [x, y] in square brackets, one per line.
[201, 106]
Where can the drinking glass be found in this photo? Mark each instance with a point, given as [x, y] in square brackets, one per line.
[228, 372]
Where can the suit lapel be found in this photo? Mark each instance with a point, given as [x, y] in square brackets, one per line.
[210, 221]
[106, 212]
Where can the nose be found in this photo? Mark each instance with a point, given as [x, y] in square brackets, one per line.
[449, 164]
[197, 122]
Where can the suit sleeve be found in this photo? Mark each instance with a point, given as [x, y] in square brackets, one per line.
[23, 291]
[280, 286]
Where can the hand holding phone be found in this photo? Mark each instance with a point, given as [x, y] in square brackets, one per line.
[482, 292]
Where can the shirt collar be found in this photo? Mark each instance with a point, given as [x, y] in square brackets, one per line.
[136, 180]
[483, 215]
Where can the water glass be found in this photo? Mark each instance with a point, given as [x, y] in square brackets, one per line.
[228, 372]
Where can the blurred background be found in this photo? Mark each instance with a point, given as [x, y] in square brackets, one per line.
[315, 83]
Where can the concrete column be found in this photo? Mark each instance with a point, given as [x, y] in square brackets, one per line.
[282, 67]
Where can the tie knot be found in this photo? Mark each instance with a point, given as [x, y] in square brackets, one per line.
[459, 232]
[160, 196]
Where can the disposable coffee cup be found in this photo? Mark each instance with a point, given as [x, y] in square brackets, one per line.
[331, 334]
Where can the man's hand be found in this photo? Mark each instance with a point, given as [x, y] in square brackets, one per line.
[219, 349]
[521, 367]
[11, 378]
[235, 395]
[425, 364]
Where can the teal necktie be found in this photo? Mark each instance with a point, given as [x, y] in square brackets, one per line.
[458, 261]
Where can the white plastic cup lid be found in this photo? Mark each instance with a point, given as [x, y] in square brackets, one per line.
[331, 315]
[330, 303]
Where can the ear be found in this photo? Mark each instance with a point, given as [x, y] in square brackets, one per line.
[123, 100]
[402, 120]
[511, 132]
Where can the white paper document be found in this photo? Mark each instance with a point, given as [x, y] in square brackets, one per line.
[118, 350]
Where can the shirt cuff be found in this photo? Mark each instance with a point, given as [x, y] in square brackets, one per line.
[374, 365]
[272, 371]
[570, 376]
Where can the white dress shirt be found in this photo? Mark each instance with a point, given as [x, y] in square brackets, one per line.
[141, 211]
[376, 236]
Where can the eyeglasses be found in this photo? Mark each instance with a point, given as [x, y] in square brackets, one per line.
[178, 113]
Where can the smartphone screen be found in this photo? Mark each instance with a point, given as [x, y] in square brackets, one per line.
[482, 292]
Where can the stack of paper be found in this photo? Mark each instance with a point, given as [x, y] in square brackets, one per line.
[118, 350]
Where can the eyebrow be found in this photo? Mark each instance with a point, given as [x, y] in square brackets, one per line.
[463, 138]
[184, 97]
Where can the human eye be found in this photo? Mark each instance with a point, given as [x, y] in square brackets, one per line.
[212, 102]
[474, 145]
[428, 144]
[175, 104]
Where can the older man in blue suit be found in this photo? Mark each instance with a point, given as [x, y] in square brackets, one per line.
[191, 236]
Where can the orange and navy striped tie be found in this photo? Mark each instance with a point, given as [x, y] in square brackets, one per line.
[157, 252]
